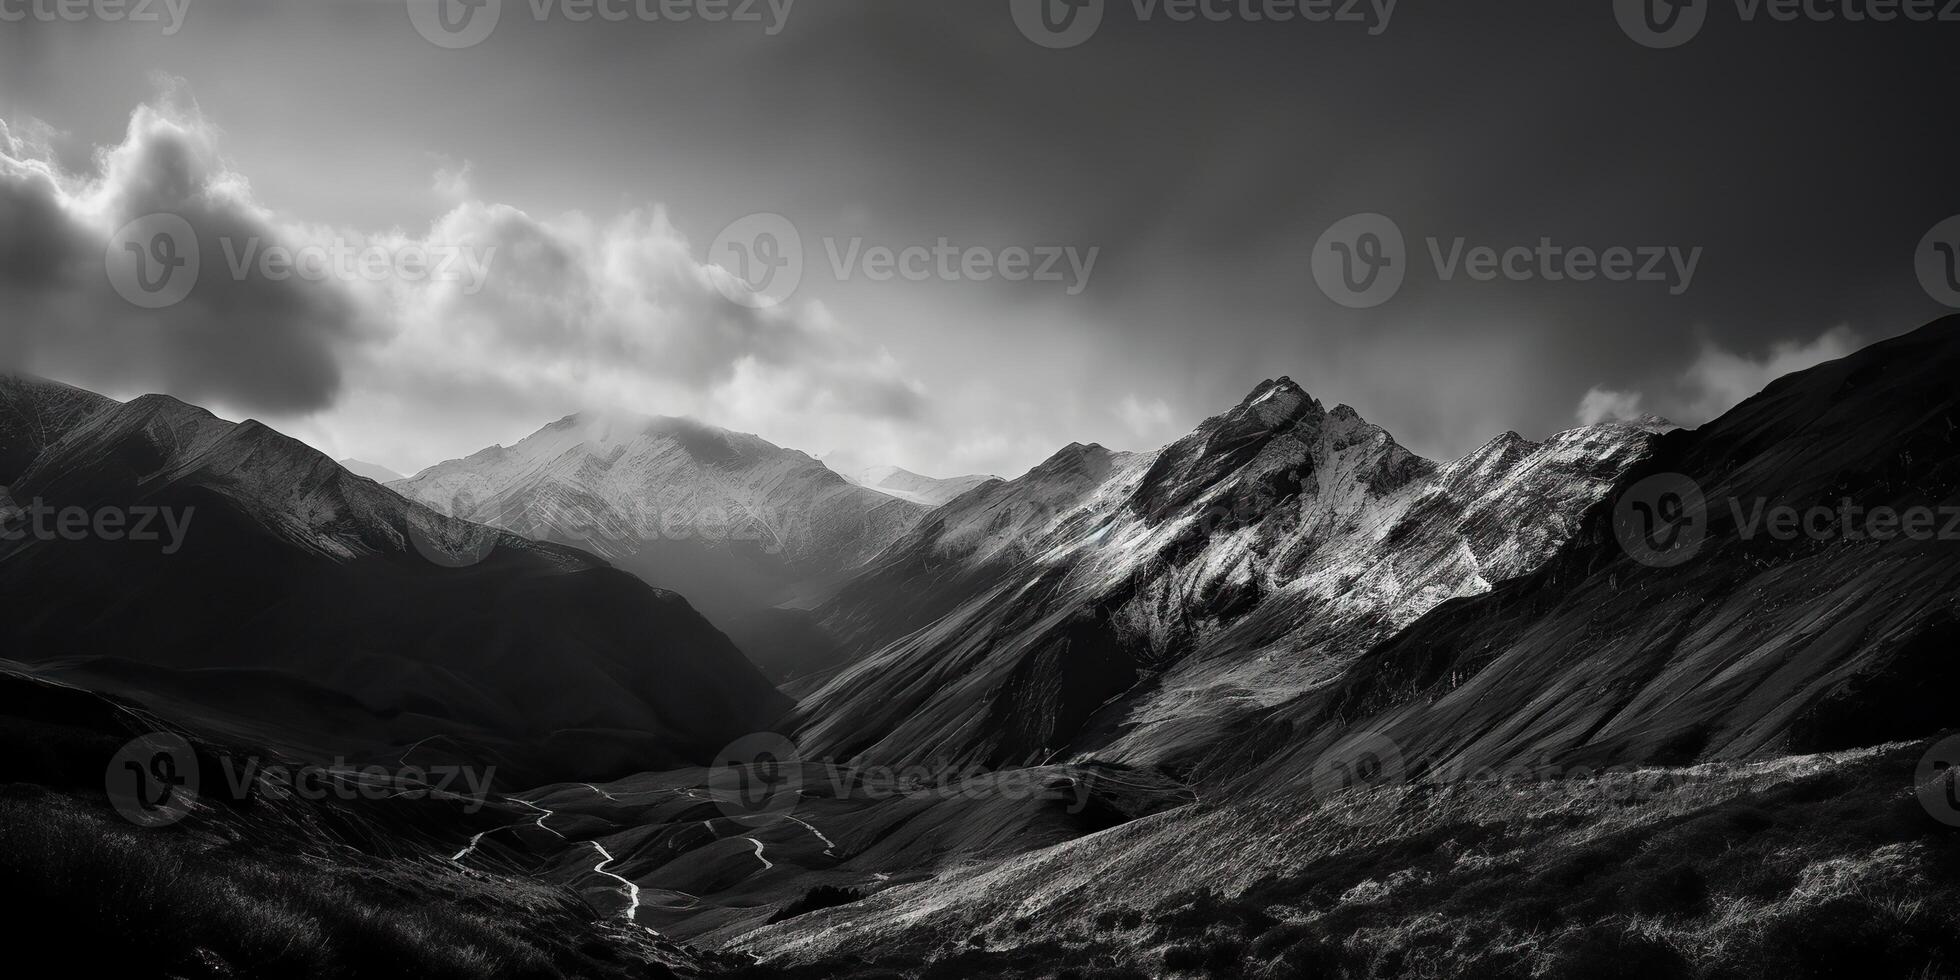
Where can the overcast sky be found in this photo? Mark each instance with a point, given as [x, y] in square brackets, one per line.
[1200, 161]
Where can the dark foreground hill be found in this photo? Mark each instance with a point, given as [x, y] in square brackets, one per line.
[268, 885]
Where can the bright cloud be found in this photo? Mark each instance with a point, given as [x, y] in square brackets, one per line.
[538, 317]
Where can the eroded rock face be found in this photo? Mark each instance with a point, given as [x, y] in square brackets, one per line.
[1133, 607]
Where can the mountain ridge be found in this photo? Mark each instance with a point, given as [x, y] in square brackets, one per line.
[1122, 616]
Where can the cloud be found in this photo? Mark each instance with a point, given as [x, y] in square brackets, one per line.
[455, 183]
[258, 344]
[1146, 419]
[504, 320]
[1605, 405]
[1719, 379]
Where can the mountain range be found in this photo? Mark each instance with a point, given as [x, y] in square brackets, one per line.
[1135, 607]
[320, 612]
[1281, 698]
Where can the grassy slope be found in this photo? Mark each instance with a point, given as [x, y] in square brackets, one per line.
[272, 888]
[1807, 866]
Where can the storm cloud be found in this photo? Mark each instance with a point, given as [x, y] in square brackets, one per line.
[1204, 158]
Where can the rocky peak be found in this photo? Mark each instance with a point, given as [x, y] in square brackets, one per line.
[1075, 459]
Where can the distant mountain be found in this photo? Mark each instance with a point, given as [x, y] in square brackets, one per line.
[737, 524]
[923, 490]
[373, 471]
[304, 607]
[1136, 606]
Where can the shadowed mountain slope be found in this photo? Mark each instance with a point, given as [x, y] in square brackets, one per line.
[327, 614]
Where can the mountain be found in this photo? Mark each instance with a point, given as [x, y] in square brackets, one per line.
[1279, 699]
[1728, 755]
[1135, 607]
[275, 596]
[34, 413]
[925, 491]
[372, 471]
[739, 525]
[959, 553]
[1823, 638]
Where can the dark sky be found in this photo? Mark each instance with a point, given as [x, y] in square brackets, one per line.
[1204, 160]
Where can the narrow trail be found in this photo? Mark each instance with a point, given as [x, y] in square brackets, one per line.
[606, 859]
[543, 814]
[766, 863]
[467, 851]
[829, 846]
[627, 886]
[632, 890]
